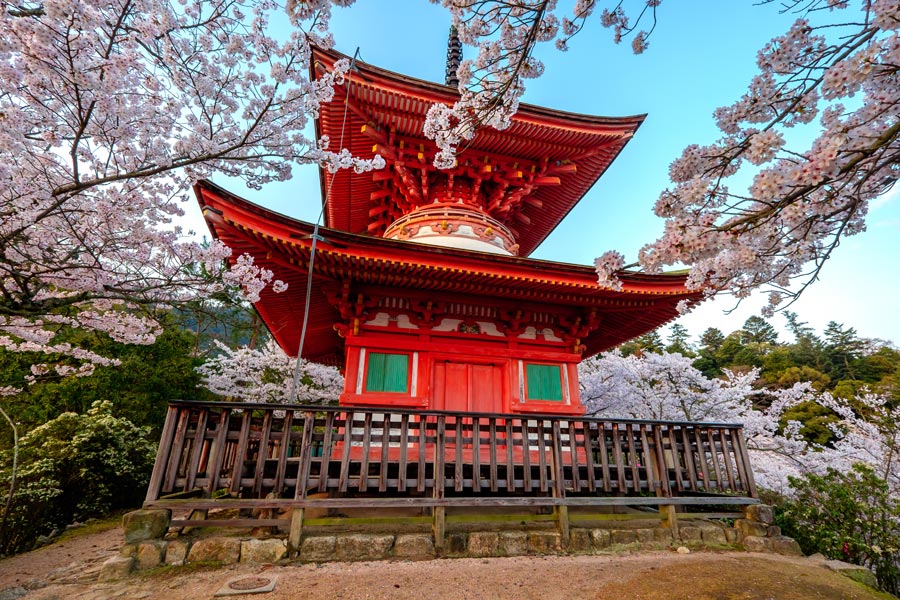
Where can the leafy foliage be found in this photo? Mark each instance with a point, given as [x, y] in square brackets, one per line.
[138, 388]
[849, 516]
[73, 468]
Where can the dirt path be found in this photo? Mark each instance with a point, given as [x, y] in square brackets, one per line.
[68, 570]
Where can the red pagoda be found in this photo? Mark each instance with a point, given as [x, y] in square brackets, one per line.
[422, 289]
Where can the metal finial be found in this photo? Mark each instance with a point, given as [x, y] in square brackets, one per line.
[454, 57]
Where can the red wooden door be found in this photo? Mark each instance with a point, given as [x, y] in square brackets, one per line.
[466, 387]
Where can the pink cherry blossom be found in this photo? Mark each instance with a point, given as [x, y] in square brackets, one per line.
[108, 113]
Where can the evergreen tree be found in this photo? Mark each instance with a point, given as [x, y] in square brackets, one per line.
[712, 339]
[649, 342]
[842, 348]
[679, 341]
[759, 332]
[707, 356]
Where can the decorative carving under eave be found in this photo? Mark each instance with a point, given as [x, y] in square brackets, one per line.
[408, 231]
[446, 227]
[514, 323]
[352, 306]
[513, 249]
[426, 313]
[578, 328]
[469, 326]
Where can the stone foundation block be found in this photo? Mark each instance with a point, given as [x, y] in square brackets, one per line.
[645, 536]
[146, 524]
[513, 543]
[150, 554]
[600, 538]
[690, 534]
[216, 549]
[713, 535]
[663, 535]
[580, 540]
[483, 543]
[544, 542]
[363, 547]
[455, 544]
[751, 528]
[263, 551]
[760, 512]
[176, 552]
[115, 568]
[128, 550]
[755, 543]
[773, 531]
[782, 544]
[623, 536]
[732, 535]
[318, 549]
[414, 547]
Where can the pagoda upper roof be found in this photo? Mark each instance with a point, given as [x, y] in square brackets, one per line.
[542, 164]
[283, 244]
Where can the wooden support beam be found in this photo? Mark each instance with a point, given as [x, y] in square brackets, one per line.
[295, 535]
[370, 130]
[376, 225]
[563, 169]
[559, 484]
[547, 180]
[439, 526]
[669, 518]
[385, 151]
[374, 212]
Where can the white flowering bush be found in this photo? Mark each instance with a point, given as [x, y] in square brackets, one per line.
[72, 468]
[849, 516]
[266, 374]
[667, 386]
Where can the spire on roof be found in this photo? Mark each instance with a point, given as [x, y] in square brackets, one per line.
[454, 57]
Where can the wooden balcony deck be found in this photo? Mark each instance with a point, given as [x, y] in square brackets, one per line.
[263, 456]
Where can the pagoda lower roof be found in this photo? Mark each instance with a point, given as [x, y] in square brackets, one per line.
[395, 105]
[284, 245]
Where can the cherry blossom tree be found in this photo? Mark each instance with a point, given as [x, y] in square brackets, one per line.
[836, 68]
[266, 374]
[666, 386]
[661, 386]
[109, 110]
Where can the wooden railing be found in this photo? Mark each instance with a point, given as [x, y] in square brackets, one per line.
[267, 456]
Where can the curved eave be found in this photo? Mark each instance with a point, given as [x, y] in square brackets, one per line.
[283, 245]
[395, 100]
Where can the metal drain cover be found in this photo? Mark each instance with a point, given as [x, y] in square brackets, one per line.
[247, 585]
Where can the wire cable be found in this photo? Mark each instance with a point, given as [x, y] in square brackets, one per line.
[315, 239]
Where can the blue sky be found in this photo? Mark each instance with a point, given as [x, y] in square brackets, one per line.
[701, 56]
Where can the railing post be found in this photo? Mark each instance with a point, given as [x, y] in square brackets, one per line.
[748, 469]
[667, 512]
[296, 531]
[439, 528]
[559, 484]
[669, 517]
[162, 454]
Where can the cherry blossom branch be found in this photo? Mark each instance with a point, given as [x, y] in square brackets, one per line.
[108, 113]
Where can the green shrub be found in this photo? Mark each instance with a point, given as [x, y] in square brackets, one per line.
[73, 468]
[848, 516]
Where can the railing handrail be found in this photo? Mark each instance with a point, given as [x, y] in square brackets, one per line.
[437, 413]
